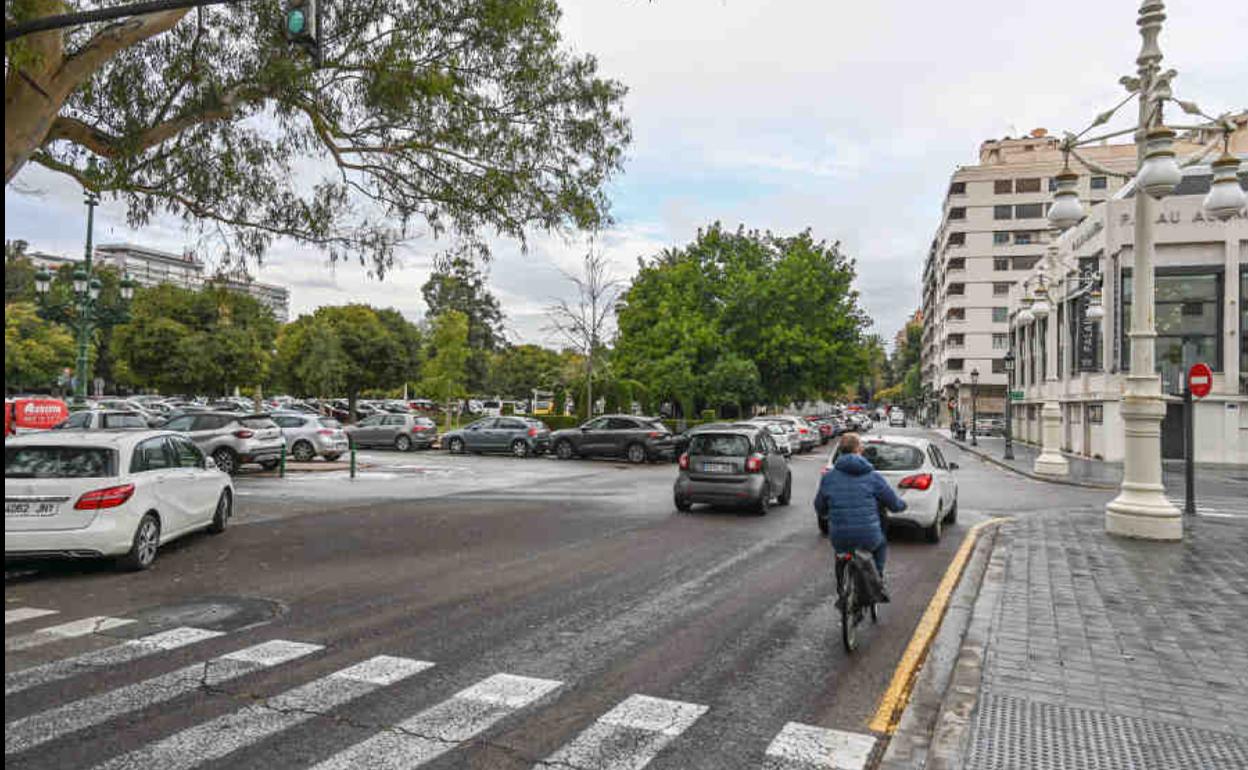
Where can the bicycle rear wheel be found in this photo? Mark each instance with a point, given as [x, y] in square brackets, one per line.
[849, 612]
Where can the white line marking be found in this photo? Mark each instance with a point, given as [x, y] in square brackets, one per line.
[229, 733]
[117, 654]
[70, 630]
[49, 725]
[819, 747]
[25, 613]
[628, 736]
[441, 728]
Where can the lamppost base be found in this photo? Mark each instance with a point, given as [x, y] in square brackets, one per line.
[1142, 511]
[1050, 462]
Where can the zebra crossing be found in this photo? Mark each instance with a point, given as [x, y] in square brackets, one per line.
[1215, 507]
[627, 736]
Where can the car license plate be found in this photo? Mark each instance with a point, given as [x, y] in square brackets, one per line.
[717, 467]
[22, 509]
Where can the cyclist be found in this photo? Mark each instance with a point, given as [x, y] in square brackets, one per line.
[850, 497]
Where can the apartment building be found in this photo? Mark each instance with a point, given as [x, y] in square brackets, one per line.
[993, 231]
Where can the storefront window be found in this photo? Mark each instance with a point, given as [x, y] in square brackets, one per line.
[1188, 320]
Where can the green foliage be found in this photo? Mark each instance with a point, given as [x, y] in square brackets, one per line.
[457, 284]
[19, 273]
[446, 373]
[35, 350]
[695, 319]
[518, 371]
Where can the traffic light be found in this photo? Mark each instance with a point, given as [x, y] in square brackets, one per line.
[301, 23]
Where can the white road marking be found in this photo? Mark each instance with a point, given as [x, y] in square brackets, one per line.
[49, 725]
[441, 728]
[808, 747]
[117, 654]
[25, 613]
[1220, 508]
[628, 736]
[226, 734]
[70, 630]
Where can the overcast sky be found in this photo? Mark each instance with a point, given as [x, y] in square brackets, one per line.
[847, 118]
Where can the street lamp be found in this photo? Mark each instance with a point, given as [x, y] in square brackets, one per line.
[1009, 415]
[43, 281]
[1141, 508]
[1050, 461]
[127, 288]
[974, 405]
[957, 400]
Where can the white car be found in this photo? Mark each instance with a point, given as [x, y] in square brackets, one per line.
[123, 494]
[780, 434]
[921, 476]
[896, 419]
[807, 435]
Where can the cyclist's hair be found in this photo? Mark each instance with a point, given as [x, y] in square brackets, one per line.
[851, 443]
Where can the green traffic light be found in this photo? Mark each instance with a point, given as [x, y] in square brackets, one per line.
[296, 23]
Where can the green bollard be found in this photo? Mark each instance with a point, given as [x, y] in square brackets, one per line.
[352, 445]
[281, 463]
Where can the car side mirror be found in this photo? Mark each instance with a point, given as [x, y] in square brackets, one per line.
[953, 466]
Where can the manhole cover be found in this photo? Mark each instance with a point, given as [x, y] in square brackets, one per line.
[215, 613]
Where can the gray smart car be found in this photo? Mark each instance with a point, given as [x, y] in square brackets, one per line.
[738, 466]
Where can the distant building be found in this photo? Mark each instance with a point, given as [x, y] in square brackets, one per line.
[275, 298]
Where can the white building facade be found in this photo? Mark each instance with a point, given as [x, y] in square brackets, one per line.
[1201, 269]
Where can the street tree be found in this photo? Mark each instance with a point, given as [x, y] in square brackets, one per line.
[36, 351]
[19, 273]
[310, 359]
[584, 322]
[445, 375]
[369, 349]
[458, 284]
[519, 370]
[463, 117]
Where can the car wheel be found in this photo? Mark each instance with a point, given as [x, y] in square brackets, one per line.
[520, 448]
[144, 546]
[952, 516]
[221, 517]
[226, 460]
[456, 446]
[636, 454]
[303, 452]
[764, 501]
[933, 532]
[564, 450]
[683, 505]
[403, 442]
[787, 495]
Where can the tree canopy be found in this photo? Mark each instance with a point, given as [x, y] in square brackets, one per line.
[446, 372]
[35, 350]
[458, 284]
[462, 117]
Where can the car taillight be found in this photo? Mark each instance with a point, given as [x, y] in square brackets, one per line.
[244, 433]
[532, 432]
[655, 434]
[325, 432]
[801, 430]
[419, 428]
[684, 461]
[110, 497]
[753, 464]
[919, 481]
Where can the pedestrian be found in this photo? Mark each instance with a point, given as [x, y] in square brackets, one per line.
[851, 497]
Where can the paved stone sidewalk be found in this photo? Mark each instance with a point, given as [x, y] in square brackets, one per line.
[1108, 654]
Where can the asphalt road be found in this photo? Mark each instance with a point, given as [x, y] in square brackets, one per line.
[548, 596]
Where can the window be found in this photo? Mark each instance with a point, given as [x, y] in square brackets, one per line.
[619, 423]
[1001, 238]
[369, 422]
[598, 424]
[938, 459]
[956, 340]
[1000, 342]
[957, 263]
[186, 453]
[957, 212]
[182, 423]
[1023, 238]
[1001, 263]
[893, 457]
[954, 365]
[957, 188]
[58, 462]
[287, 421]
[151, 455]
[1052, 184]
[1003, 186]
[1025, 263]
[122, 420]
[956, 239]
[1100, 183]
[1188, 319]
[394, 419]
[715, 445]
[957, 289]
[76, 421]
[1002, 212]
[1031, 185]
[1096, 413]
[956, 314]
[1029, 211]
[512, 424]
[1000, 315]
[1000, 288]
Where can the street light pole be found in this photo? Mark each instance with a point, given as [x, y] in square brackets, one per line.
[86, 304]
[974, 405]
[1050, 461]
[1009, 415]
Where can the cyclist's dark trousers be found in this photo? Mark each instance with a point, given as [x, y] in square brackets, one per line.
[878, 553]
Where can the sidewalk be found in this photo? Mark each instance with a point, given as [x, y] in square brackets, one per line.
[1088, 652]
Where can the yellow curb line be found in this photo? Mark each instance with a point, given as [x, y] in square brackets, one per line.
[895, 698]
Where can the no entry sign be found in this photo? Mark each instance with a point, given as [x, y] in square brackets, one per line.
[1200, 380]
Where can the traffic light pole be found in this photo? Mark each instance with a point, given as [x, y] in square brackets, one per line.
[63, 20]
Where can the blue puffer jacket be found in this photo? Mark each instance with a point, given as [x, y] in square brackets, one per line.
[850, 496]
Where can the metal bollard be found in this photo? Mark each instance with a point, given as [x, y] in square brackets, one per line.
[351, 443]
[281, 463]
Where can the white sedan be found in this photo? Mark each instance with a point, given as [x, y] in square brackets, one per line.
[123, 494]
[922, 477]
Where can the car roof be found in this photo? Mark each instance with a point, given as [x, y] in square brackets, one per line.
[730, 430]
[111, 438]
[914, 441]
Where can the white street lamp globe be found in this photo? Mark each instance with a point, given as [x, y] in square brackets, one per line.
[1025, 316]
[1096, 310]
[1041, 309]
[80, 281]
[1159, 173]
[43, 281]
[1066, 210]
[1226, 198]
[95, 288]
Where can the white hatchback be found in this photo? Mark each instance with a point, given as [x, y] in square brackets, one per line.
[919, 473]
[108, 494]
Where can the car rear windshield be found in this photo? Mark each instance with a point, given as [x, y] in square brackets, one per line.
[59, 462]
[719, 445]
[329, 422]
[124, 421]
[893, 457]
[257, 423]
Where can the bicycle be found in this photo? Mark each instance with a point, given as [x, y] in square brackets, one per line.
[853, 608]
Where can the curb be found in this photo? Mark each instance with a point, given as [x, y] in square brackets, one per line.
[932, 728]
[1028, 474]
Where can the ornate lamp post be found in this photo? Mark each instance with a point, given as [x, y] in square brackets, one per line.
[974, 405]
[1050, 462]
[1141, 508]
[1009, 416]
[957, 400]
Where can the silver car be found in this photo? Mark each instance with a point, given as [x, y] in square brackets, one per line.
[233, 440]
[103, 419]
[401, 431]
[308, 436]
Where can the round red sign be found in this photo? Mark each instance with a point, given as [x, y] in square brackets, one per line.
[1200, 380]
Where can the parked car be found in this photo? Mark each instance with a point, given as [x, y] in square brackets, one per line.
[118, 494]
[734, 466]
[780, 434]
[640, 439]
[104, 419]
[519, 436]
[26, 414]
[680, 442]
[309, 436]
[233, 440]
[807, 436]
[990, 426]
[896, 418]
[403, 432]
[917, 469]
